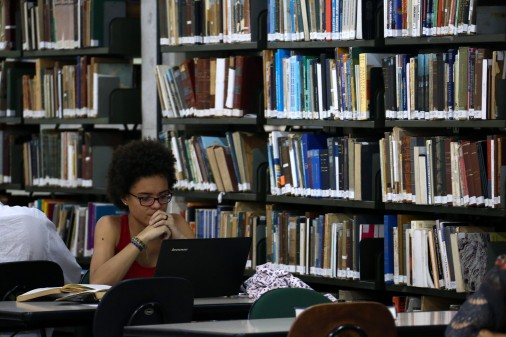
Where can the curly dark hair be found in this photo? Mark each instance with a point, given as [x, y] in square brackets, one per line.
[135, 160]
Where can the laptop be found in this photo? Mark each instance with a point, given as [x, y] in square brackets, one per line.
[215, 267]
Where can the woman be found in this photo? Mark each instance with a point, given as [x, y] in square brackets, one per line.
[140, 178]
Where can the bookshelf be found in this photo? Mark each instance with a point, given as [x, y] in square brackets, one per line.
[374, 128]
[118, 110]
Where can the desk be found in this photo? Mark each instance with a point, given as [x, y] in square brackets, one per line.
[33, 315]
[408, 324]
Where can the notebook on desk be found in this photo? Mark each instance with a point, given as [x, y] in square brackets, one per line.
[215, 267]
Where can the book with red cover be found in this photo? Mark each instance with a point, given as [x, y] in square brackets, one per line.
[202, 82]
[188, 82]
[248, 73]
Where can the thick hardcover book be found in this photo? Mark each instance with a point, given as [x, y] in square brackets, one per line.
[187, 73]
[215, 170]
[202, 82]
[226, 168]
[389, 221]
[248, 73]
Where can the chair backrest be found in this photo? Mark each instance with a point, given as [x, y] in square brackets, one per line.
[21, 276]
[363, 319]
[143, 301]
[282, 302]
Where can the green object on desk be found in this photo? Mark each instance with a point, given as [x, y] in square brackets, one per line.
[283, 302]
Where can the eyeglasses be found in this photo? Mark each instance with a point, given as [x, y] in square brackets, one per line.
[148, 200]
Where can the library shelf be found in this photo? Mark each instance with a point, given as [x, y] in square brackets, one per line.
[472, 123]
[225, 196]
[283, 199]
[445, 40]
[66, 190]
[10, 120]
[323, 44]
[213, 47]
[407, 290]
[437, 209]
[366, 124]
[210, 121]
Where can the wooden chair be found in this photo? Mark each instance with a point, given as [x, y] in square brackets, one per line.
[282, 302]
[21, 276]
[361, 319]
[143, 301]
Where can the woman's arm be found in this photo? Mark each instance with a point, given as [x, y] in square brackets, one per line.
[106, 267]
[179, 227]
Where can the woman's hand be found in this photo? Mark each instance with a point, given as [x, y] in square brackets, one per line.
[164, 222]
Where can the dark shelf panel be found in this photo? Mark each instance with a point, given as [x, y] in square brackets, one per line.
[10, 120]
[64, 190]
[356, 284]
[10, 53]
[214, 195]
[445, 40]
[84, 121]
[212, 121]
[11, 186]
[67, 52]
[323, 202]
[211, 47]
[324, 123]
[483, 211]
[323, 44]
[426, 292]
[447, 124]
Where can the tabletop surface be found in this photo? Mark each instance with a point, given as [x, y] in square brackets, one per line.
[279, 325]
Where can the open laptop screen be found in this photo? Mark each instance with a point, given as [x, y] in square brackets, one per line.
[215, 267]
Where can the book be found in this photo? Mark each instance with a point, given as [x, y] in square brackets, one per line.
[68, 292]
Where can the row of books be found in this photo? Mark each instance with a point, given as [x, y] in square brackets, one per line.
[461, 83]
[215, 163]
[306, 20]
[238, 220]
[75, 222]
[61, 24]
[429, 17]
[218, 21]
[340, 86]
[74, 88]
[332, 244]
[322, 166]
[442, 170]
[296, 241]
[11, 144]
[203, 87]
[69, 158]
[439, 254]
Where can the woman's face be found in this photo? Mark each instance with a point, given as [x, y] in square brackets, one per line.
[142, 192]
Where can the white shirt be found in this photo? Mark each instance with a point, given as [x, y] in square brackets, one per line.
[27, 234]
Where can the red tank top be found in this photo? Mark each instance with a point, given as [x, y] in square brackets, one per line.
[136, 270]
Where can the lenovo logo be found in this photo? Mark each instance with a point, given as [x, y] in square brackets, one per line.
[179, 250]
